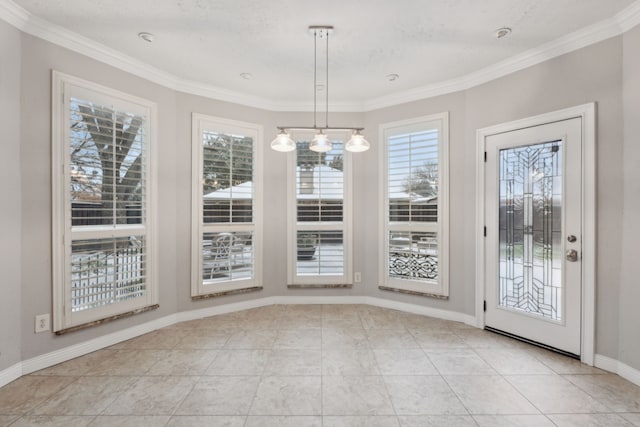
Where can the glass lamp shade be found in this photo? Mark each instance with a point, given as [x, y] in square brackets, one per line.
[283, 142]
[357, 143]
[320, 143]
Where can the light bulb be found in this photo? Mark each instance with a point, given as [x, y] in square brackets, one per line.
[320, 143]
[357, 143]
[283, 142]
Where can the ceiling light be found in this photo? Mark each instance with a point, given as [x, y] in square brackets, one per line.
[283, 142]
[503, 32]
[321, 142]
[357, 143]
[148, 37]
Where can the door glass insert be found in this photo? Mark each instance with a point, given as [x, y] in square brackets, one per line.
[530, 215]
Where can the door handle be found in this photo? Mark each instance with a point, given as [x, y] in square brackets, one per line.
[572, 255]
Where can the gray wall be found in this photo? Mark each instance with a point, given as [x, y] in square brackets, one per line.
[461, 290]
[38, 59]
[10, 189]
[275, 197]
[630, 275]
[590, 74]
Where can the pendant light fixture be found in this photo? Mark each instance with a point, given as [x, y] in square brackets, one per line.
[321, 142]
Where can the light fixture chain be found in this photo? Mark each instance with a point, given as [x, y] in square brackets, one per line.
[321, 142]
[315, 78]
[326, 84]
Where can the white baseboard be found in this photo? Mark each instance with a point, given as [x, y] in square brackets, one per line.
[420, 309]
[62, 355]
[346, 299]
[12, 373]
[629, 373]
[183, 316]
[67, 353]
[617, 367]
[606, 363]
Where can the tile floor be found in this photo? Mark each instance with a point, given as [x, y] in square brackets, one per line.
[329, 365]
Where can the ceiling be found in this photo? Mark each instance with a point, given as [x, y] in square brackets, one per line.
[425, 42]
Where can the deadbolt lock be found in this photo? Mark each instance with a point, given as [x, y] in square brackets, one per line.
[572, 255]
[571, 238]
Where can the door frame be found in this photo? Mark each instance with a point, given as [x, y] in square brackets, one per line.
[587, 112]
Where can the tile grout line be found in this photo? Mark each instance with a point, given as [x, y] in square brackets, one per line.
[475, 350]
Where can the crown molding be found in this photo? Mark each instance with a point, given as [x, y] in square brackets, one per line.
[13, 14]
[20, 18]
[629, 17]
[581, 38]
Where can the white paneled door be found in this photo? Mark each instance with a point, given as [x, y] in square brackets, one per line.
[533, 236]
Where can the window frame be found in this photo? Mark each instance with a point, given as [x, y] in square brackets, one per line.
[200, 123]
[440, 289]
[293, 226]
[63, 86]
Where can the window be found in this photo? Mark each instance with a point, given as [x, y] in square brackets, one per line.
[319, 204]
[102, 202]
[415, 220]
[226, 242]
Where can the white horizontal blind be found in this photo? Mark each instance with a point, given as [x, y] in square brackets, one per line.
[413, 230]
[319, 184]
[227, 178]
[322, 210]
[320, 253]
[225, 233]
[108, 159]
[413, 177]
[108, 181]
[102, 143]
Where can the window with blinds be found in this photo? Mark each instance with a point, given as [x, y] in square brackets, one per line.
[101, 175]
[414, 231]
[319, 206]
[226, 188]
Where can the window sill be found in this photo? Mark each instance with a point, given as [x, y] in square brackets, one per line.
[225, 293]
[107, 319]
[319, 286]
[421, 294]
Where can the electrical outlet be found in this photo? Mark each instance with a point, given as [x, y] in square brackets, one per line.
[42, 323]
[357, 277]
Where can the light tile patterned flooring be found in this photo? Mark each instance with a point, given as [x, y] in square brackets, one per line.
[330, 365]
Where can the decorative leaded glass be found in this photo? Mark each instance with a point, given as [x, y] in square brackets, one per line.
[530, 259]
[413, 255]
